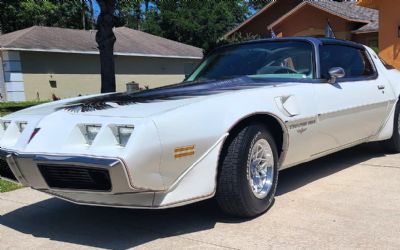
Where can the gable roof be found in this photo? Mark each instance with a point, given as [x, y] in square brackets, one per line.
[248, 20]
[129, 42]
[346, 10]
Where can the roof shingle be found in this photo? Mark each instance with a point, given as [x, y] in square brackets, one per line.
[349, 10]
[129, 42]
[354, 12]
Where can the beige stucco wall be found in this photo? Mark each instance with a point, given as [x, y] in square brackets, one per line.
[80, 74]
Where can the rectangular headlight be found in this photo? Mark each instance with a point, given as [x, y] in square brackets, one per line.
[91, 132]
[123, 134]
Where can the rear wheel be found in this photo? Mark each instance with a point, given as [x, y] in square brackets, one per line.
[393, 144]
[248, 172]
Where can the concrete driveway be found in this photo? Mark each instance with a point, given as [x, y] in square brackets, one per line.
[349, 200]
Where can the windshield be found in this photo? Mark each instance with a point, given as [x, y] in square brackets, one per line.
[287, 59]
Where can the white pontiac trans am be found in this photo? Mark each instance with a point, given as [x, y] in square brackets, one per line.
[248, 111]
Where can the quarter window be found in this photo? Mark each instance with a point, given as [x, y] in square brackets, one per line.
[354, 61]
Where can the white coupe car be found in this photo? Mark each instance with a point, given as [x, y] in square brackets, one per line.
[248, 111]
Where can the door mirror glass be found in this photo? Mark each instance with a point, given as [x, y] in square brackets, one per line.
[335, 73]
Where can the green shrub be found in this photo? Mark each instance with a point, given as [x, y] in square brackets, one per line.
[10, 107]
[6, 186]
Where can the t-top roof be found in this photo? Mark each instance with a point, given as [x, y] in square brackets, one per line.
[129, 42]
[312, 40]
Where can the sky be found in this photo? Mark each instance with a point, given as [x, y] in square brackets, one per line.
[96, 8]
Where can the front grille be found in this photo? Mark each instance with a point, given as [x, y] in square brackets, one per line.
[5, 170]
[75, 177]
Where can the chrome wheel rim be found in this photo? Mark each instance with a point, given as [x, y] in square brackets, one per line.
[260, 171]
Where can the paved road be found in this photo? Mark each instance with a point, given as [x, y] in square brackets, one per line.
[350, 200]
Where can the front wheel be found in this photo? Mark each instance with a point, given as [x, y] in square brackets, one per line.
[248, 172]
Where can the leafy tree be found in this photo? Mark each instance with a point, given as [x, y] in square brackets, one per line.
[235, 38]
[196, 22]
[20, 14]
[258, 4]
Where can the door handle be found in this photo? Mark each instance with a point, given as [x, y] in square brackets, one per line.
[381, 86]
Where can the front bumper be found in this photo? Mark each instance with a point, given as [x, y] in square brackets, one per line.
[28, 170]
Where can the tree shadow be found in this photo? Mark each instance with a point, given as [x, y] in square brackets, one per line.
[115, 228]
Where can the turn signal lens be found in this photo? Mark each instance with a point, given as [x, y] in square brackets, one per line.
[123, 134]
[91, 132]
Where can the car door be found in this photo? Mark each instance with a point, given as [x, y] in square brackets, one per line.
[354, 108]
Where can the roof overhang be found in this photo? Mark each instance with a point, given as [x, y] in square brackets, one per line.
[97, 53]
[303, 4]
[364, 32]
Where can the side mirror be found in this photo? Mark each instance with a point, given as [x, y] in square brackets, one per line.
[335, 73]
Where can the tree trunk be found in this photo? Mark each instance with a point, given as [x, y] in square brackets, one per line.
[138, 15]
[91, 12]
[105, 39]
[83, 14]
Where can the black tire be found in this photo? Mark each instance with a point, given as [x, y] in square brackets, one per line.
[234, 194]
[393, 144]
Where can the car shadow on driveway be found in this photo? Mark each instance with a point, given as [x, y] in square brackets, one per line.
[298, 176]
[124, 228]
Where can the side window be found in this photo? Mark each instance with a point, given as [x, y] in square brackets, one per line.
[355, 62]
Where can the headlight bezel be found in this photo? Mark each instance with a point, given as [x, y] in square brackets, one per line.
[5, 124]
[123, 134]
[22, 126]
[90, 132]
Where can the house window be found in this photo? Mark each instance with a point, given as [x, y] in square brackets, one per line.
[53, 83]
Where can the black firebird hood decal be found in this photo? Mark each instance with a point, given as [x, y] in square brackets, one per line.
[172, 92]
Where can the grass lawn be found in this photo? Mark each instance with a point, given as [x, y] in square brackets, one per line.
[6, 108]
[6, 186]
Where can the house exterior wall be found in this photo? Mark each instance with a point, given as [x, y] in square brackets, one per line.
[79, 74]
[374, 4]
[300, 24]
[389, 23]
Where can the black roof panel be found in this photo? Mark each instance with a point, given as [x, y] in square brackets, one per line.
[315, 40]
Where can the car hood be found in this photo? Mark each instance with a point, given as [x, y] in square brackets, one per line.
[149, 102]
